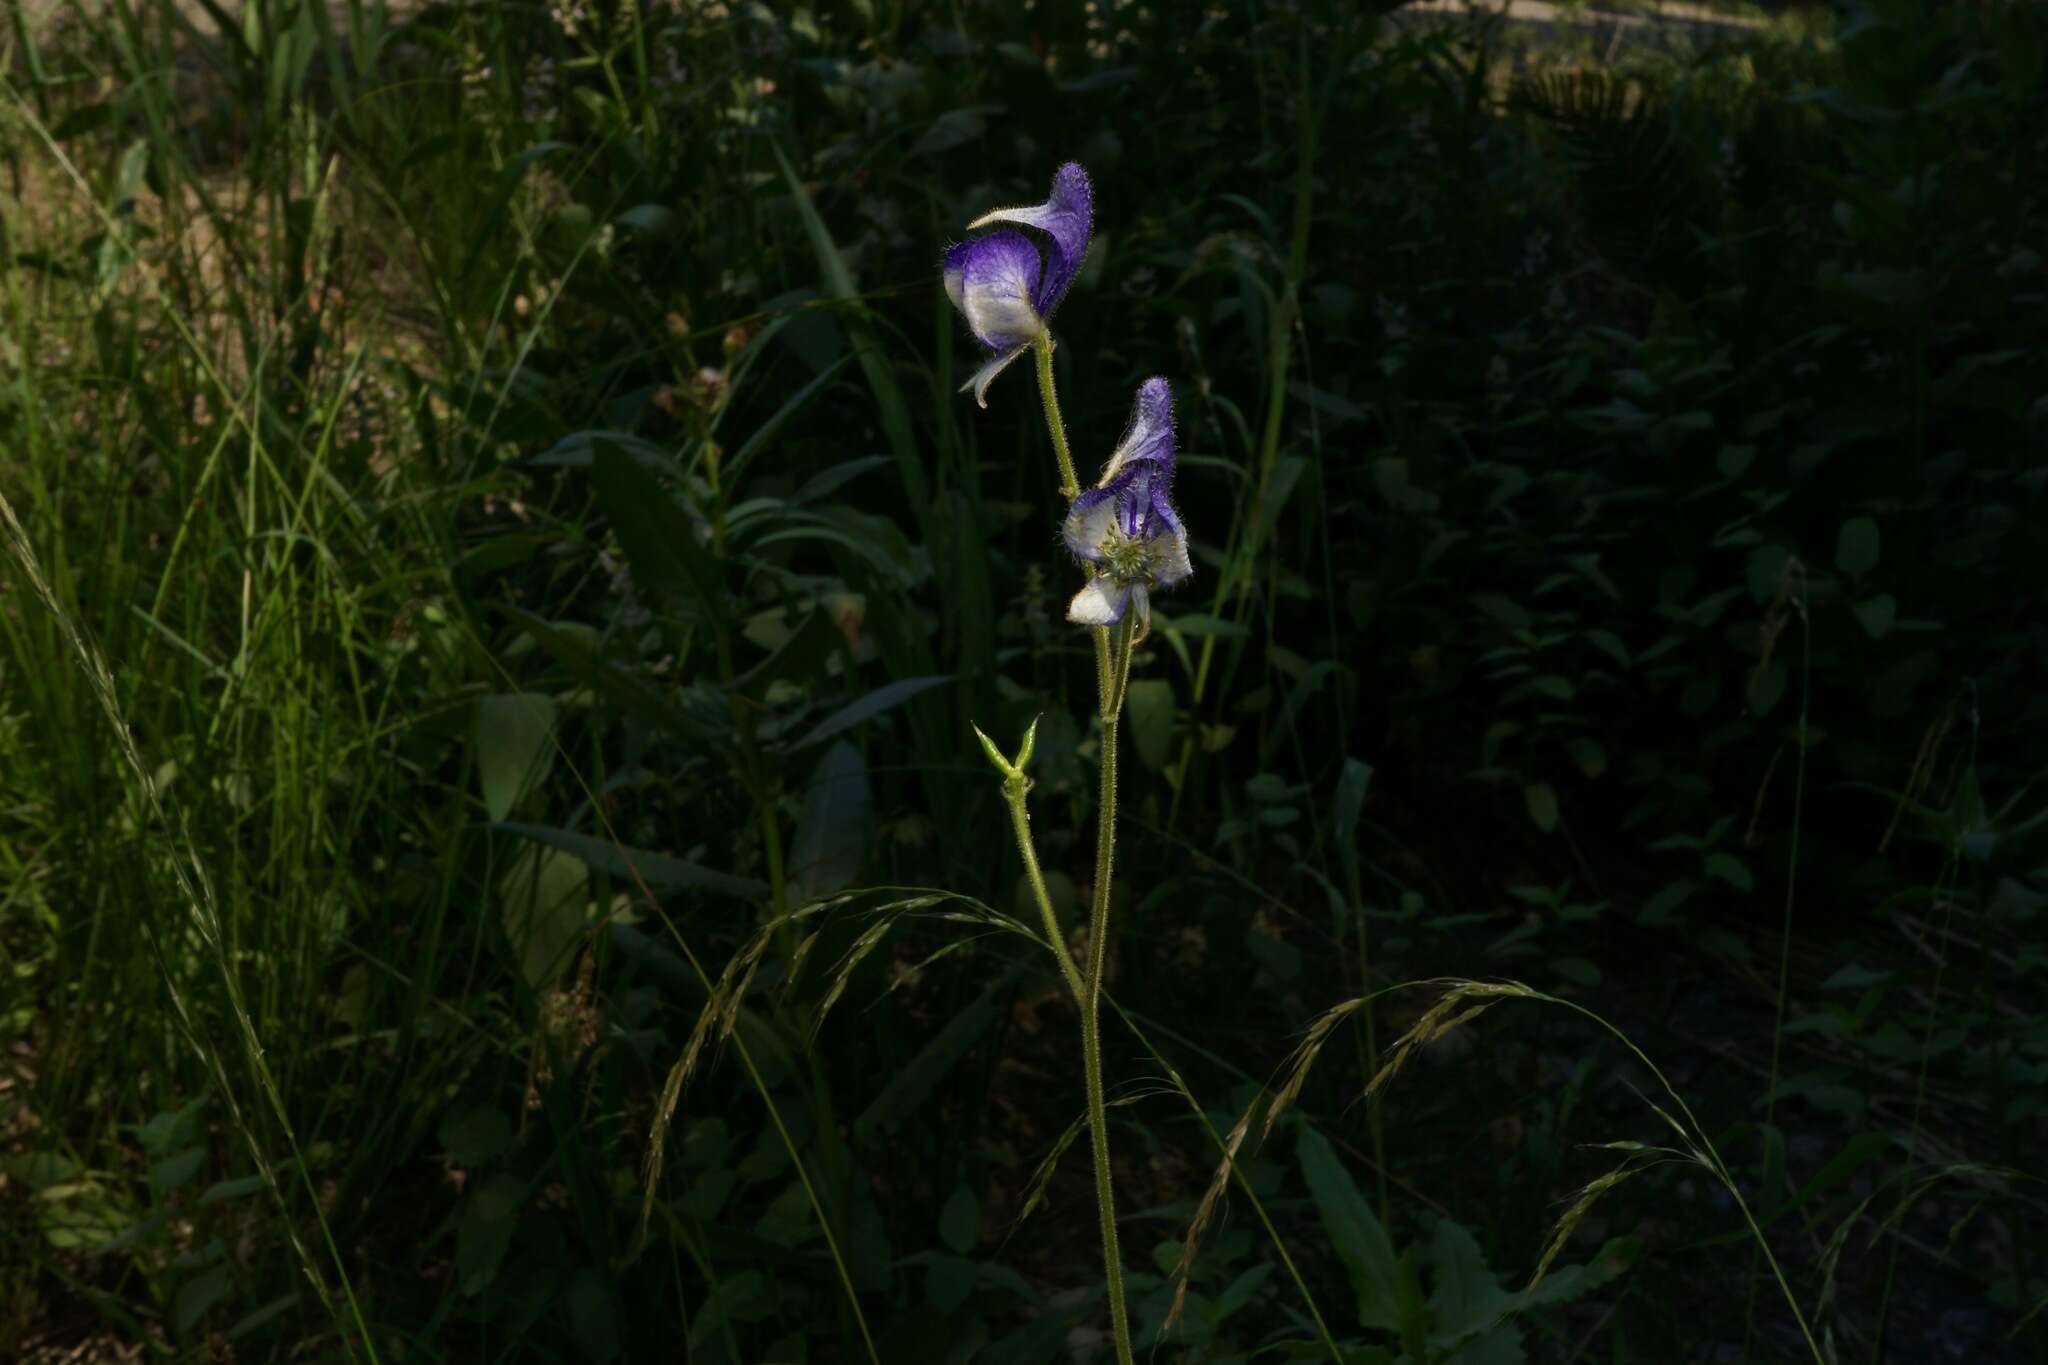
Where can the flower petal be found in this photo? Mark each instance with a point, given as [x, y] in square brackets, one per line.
[991, 280]
[1150, 435]
[983, 377]
[1100, 603]
[1169, 558]
[1067, 217]
[1089, 519]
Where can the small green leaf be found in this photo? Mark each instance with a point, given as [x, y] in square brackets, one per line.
[237, 1188]
[475, 1134]
[832, 832]
[658, 870]
[960, 1220]
[1877, 614]
[1765, 688]
[1731, 870]
[595, 1312]
[515, 734]
[1856, 547]
[489, 1216]
[176, 1169]
[544, 896]
[1541, 799]
[197, 1295]
[1149, 704]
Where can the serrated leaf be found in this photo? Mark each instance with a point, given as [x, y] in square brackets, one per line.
[1361, 1243]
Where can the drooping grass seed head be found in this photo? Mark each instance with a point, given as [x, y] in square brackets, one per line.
[1125, 529]
[1006, 283]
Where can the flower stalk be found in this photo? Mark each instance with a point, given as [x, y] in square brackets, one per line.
[1129, 541]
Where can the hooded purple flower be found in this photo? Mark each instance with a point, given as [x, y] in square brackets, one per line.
[1124, 527]
[1007, 284]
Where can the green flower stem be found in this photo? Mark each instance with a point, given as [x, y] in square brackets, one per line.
[1070, 487]
[1020, 822]
[1113, 663]
[1112, 672]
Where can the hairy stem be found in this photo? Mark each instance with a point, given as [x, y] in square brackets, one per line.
[1020, 824]
[1113, 662]
[1070, 487]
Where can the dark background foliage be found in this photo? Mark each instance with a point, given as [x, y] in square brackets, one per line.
[511, 460]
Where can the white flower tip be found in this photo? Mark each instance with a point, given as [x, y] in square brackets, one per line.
[1100, 603]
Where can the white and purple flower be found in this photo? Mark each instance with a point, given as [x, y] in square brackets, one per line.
[1124, 528]
[1006, 284]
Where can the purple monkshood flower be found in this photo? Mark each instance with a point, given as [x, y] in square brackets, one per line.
[1124, 528]
[1007, 284]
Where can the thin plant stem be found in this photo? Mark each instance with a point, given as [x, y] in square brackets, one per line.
[1020, 824]
[1237, 1173]
[1070, 487]
[1114, 664]
[1112, 673]
[1791, 900]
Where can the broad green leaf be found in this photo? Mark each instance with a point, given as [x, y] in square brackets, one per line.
[874, 358]
[1344, 814]
[908, 1089]
[544, 895]
[237, 1188]
[578, 449]
[659, 537]
[1541, 799]
[1465, 1299]
[1877, 614]
[765, 435]
[199, 1294]
[269, 1312]
[658, 871]
[1360, 1241]
[177, 1168]
[1731, 870]
[1856, 547]
[515, 747]
[165, 1132]
[960, 1220]
[574, 646]
[484, 1234]
[595, 1312]
[832, 832]
[883, 698]
[475, 1134]
[1565, 1283]
[1149, 705]
[948, 1280]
